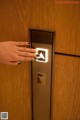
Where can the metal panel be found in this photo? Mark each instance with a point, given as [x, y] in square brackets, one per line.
[42, 79]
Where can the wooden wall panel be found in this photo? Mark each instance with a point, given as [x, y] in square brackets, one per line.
[15, 18]
[15, 81]
[66, 87]
[15, 91]
[42, 14]
[67, 26]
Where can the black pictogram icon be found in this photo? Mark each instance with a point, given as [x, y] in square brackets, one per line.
[43, 55]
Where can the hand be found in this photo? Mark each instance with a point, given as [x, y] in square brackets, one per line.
[13, 53]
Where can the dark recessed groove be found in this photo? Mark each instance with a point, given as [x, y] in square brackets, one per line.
[65, 54]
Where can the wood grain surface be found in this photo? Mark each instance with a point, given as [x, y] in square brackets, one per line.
[67, 26]
[16, 17]
[15, 80]
[15, 91]
[66, 87]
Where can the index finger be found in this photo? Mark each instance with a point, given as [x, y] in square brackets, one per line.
[22, 43]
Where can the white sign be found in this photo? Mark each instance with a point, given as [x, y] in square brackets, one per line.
[43, 55]
[4, 115]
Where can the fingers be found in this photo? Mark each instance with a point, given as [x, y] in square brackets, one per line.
[24, 49]
[22, 43]
[21, 46]
[27, 54]
[23, 59]
[23, 53]
[13, 63]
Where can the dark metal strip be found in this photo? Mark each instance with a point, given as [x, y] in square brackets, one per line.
[65, 54]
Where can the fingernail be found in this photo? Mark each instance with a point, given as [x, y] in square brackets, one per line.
[29, 43]
[35, 58]
[19, 63]
[37, 55]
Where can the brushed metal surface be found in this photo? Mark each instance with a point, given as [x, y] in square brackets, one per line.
[42, 92]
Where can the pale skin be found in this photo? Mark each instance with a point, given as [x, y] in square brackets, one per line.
[13, 53]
